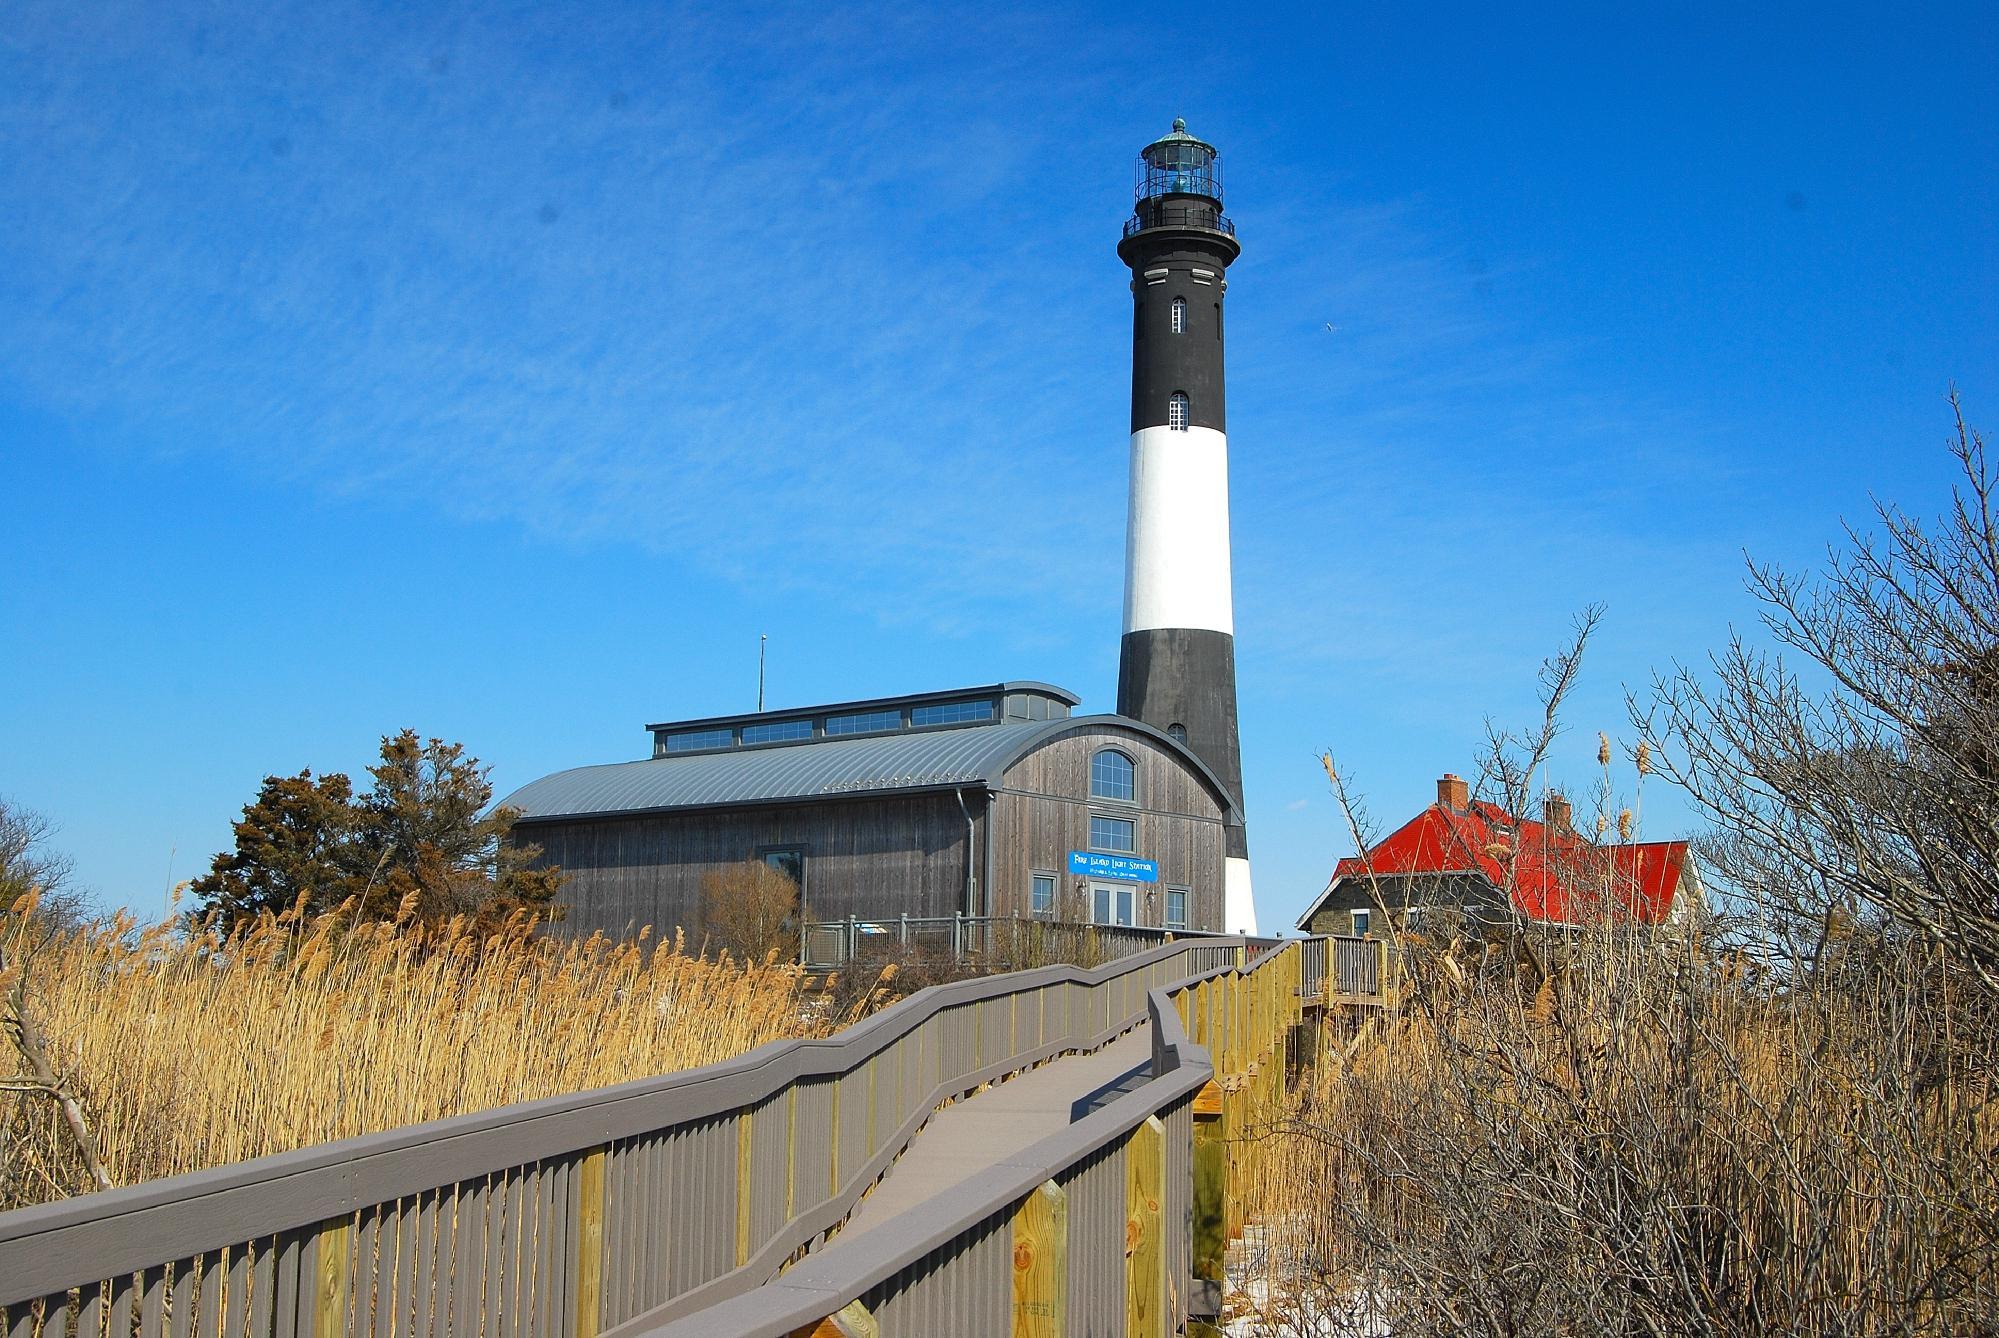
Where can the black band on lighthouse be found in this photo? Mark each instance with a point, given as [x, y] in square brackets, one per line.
[1186, 677]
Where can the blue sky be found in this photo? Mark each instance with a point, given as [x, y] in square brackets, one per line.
[504, 374]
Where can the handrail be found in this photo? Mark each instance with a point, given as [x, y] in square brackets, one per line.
[943, 1244]
[828, 944]
[765, 1154]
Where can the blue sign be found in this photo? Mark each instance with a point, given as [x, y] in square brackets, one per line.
[1127, 867]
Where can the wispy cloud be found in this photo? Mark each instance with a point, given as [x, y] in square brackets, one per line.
[790, 298]
[483, 270]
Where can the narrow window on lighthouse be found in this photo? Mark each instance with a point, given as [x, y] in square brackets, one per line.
[1179, 315]
[1176, 412]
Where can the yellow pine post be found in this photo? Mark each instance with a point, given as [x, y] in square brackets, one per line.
[1145, 1253]
[1041, 1263]
[330, 1282]
[852, 1320]
[1211, 1185]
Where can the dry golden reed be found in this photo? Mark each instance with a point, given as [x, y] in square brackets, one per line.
[190, 1050]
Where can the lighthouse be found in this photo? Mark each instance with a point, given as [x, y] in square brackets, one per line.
[1176, 664]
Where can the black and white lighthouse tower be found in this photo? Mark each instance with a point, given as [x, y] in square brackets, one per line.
[1176, 667]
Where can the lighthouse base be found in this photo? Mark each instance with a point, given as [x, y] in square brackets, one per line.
[1238, 905]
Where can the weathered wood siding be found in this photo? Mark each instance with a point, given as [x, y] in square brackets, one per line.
[1044, 813]
[872, 857]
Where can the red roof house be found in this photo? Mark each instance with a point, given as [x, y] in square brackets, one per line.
[1477, 858]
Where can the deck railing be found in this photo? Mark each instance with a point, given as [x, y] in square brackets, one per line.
[1005, 939]
[570, 1215]
[1114, 1225]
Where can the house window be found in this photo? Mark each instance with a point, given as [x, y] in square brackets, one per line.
[864, 722]
[1114, 904]
[951, 713]
[695, 739]
[1177, 732]
[1042, 899]
[1179, 315]
[1113, 776]
[1119, 834]
[1361, 920]
[777, 731]
[1176, 412]
[1176, 908]
[789, 861]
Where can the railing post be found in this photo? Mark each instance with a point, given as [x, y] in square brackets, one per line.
[853, 940]
[1145, 1253]
[744, 1183]
[1041, 1263]
[331, 1275]
[957, 934]
[905, 929]
[1211, 1192]
[590, 1244]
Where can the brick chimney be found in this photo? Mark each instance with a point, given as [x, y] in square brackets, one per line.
[1556, 812]
[1453, 793]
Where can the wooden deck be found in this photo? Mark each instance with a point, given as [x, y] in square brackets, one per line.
[985, 1129]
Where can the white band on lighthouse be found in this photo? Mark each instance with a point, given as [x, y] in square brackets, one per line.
[1177, 537]
[1238, 903]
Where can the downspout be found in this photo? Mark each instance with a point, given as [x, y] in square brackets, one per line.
[971, 857]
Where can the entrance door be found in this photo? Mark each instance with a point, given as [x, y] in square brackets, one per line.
[1114, 903]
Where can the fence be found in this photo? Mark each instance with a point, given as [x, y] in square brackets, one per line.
[581, 1213]
[1003, 939]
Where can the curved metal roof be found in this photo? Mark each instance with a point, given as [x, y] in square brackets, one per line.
[828, 768]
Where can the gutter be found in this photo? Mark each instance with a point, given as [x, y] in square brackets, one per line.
[971, 852]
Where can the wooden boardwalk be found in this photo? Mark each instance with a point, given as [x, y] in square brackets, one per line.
[988, 1127]
[1055, 1151]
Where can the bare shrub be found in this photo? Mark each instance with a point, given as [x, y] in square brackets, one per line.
[750, 910]
[1779, 1118]
[1860, 778]
[1619, 1133]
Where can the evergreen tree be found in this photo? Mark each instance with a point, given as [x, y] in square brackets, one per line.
[298, 838]
[419, 842]
[425, 838]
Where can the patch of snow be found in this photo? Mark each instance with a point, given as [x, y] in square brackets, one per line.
[1277, 1289]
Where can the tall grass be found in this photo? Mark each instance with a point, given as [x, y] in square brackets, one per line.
[195, 1049]
[1619, 1136]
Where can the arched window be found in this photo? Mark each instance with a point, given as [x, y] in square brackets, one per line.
[1113, 776]
[1179, 315]
[1176, 412]
[1177, 732]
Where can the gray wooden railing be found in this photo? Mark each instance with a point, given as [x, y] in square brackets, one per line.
[1089, 1231]
[826, 945]
[657, 1199]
